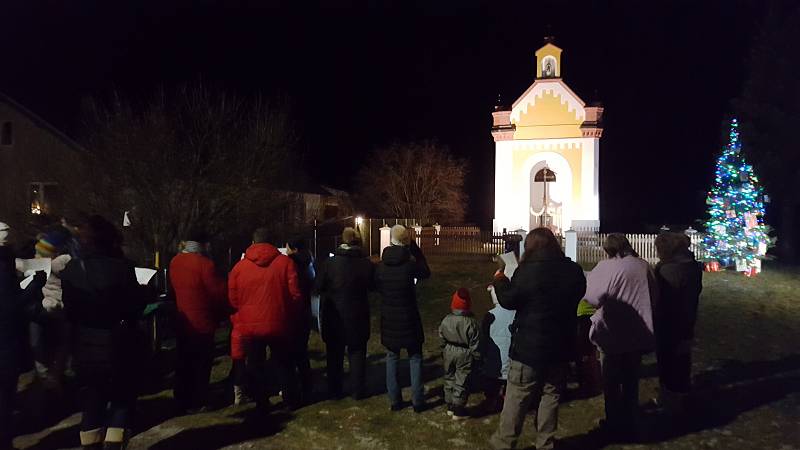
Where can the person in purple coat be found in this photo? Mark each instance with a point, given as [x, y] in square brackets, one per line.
[623, 289]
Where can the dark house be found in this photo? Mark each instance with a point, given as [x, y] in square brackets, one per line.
[32, 155]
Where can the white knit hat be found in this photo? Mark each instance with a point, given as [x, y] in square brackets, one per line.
[4, 228]
[399, 235]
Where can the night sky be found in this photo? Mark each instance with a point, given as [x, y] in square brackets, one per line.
[360, 75]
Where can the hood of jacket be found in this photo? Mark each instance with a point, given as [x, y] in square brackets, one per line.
[262, 254]
[396, 255]
[349, 250]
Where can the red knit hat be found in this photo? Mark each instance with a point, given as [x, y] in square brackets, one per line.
[461, 300]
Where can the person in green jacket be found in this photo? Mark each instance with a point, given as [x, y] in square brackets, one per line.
[460, 336]
[587, 366]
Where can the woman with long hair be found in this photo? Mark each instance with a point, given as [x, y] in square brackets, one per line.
[544, 292]
[103, 301]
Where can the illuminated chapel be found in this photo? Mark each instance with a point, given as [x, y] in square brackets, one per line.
[547, 150]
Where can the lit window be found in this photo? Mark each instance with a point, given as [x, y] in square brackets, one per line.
[44, 197]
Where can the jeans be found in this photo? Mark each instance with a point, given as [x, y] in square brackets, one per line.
[621, 390]
[529, 386]
[415, 367]
[8, 391]
[193, 369]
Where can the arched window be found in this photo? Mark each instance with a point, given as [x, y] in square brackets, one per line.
[545, 175]
[7, 134]
[549, 67]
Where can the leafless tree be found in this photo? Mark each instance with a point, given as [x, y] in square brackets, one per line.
[420, 180]
[183, 160]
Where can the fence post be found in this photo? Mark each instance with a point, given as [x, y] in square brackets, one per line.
[418, 233]
[571, 249]
[385, 238]
[438, 229]
[523, 234]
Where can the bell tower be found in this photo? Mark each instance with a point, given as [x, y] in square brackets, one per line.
[548, 60]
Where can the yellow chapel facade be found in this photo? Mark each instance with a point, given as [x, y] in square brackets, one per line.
[547, 149]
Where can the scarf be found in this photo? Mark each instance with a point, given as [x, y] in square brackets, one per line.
[192, 247]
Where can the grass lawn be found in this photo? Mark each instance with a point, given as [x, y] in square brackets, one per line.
[746, 372]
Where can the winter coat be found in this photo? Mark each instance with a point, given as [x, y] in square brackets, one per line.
[200, 293]
[460, 335]
[545, 292]
[496, 342]
[305, 280]
[624, 290]
[103, 301]
[264, 291]
[343, 284]
[680, 282]
[51, 291]
[401, 325]
[13, 320]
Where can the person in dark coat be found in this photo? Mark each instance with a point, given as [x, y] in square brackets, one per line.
[402, 265]
[103, 301]
[680, 280]
[343, 284]
[297, 250]
[15, 310]
[545, 292]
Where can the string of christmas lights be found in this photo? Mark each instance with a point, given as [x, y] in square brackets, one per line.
[736, 231]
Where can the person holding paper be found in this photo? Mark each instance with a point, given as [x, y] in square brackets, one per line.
[103, 302]
[200, 300]
[15, 311]
[544, 292]
[343, 284]
[50, 340]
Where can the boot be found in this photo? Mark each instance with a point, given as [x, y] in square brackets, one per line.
[116, 439]
[239, 396]
[92, 439]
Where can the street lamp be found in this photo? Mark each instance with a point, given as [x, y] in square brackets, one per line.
[359, 221]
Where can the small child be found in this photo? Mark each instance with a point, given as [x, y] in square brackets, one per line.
[495, 344]
[460, 335]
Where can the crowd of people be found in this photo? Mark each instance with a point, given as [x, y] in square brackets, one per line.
[81, 319]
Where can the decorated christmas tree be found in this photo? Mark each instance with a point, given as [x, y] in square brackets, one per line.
[736, 230]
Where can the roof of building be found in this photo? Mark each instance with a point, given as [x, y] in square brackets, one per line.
[35, 118]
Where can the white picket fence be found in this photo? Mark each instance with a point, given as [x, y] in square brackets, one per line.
[590, 246]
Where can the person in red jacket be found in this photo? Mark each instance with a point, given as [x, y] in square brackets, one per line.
[200, 299]
[264, 291]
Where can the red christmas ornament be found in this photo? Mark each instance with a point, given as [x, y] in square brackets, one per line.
[750, 272]
[712, 266]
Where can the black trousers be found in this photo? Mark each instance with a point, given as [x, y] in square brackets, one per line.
[675, 368]
[8, 392]
[621, 389]
[282, 363]
[302, 364]
[357, 356]
[193, 369]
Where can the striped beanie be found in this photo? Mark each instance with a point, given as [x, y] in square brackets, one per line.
[51, 244]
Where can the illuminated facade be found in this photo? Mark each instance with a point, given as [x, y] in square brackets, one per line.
[547, 155]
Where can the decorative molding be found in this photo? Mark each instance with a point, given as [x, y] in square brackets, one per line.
[554, 87]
